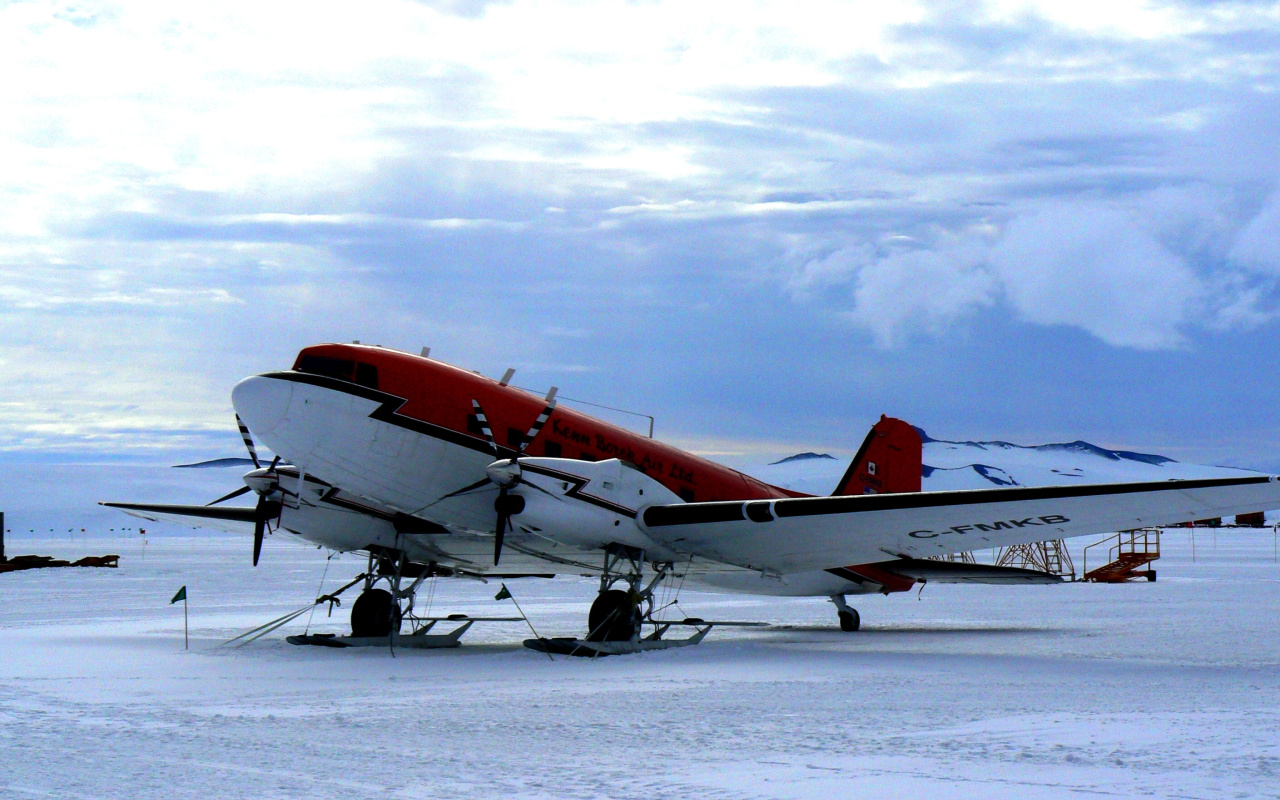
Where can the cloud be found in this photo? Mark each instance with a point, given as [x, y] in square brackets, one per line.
[921, 290]
[1090, 266]
[1258, 245]
[190, 195]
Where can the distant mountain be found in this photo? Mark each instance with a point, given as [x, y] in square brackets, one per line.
[950, 465]
[1078, 446]
[803, 457]
[216, 463]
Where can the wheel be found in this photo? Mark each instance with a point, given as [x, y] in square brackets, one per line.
[850, 621]
[614, 617]
[371, 615]
[1151, 574]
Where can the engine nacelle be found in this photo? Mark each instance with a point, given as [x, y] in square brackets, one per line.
[589, 504]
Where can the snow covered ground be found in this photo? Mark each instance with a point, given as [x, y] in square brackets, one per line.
[1166, 689]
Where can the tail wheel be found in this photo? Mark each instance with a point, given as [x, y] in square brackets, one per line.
[374, 614]
[850, 621]
[614, 617]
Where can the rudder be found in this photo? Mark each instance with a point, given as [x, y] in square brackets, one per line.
[890, 461]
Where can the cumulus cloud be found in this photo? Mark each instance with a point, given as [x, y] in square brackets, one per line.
[1092, 267]
[902, 291]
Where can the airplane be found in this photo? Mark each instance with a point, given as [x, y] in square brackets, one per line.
[437, 471]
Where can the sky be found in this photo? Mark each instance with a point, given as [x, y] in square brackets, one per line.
[765, 224]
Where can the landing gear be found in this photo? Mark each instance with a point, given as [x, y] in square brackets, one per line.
[378, 612]
[374, 614]
[617, 614]
[850, 621]
[614, 617]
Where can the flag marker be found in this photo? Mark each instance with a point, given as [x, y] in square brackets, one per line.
[186, 631]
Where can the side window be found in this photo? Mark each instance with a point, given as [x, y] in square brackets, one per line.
[552, 449]
[686, 495]
[367, 375]
[514, 437]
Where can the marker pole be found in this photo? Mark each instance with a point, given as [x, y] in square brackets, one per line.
[186, 631]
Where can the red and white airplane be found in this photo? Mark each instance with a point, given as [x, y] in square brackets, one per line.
[437, 471]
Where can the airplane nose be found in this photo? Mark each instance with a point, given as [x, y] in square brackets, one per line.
[262, 402]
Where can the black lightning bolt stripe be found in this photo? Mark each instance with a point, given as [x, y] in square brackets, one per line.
[388, 411]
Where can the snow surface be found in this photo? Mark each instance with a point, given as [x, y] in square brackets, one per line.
[1166, 689]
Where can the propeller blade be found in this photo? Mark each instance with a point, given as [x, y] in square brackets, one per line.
[262, 514]
[484, 427]
[497, 540]
[258, 527]
[540, 421]
[248, 442]
[480, 484]
[506, 505]
[230, 495]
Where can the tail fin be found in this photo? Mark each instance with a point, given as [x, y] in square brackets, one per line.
[889, 461]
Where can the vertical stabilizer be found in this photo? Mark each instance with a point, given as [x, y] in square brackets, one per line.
[889, 461]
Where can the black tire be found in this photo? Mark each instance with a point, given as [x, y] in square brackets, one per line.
[614, 617]
[372, 614]
[850, 621]
[1151, 575]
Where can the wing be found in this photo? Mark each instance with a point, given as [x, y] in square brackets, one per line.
[799, 534]
[233, 519]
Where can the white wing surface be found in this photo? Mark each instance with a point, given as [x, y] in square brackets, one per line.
[811, 533]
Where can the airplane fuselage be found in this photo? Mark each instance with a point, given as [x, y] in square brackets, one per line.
[399, 436]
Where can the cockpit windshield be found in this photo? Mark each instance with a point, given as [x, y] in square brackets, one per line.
[344, 369]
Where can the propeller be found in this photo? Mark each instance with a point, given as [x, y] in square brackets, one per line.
[265, 510]
[507, 476]
[266, 483]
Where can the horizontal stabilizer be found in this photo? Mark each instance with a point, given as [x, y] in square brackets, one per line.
[923, 569]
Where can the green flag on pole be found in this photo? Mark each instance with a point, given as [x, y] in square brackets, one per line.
[181, 595]
[501, 595]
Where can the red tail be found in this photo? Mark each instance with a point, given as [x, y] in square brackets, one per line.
[888, 462]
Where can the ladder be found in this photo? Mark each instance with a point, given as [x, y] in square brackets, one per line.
[1128, 553]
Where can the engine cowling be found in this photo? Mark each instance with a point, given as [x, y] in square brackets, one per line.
[588, 504]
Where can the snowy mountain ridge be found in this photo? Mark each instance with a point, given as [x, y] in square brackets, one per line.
[951, 465]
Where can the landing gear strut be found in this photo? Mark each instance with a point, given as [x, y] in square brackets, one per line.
[849, 619]
[617, 614]
[378, 612]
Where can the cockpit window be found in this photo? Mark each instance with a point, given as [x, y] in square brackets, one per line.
[367, 375]
[332, 367]
[341, 368]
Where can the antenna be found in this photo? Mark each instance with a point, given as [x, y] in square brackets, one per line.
[426, 352]
[506, 376]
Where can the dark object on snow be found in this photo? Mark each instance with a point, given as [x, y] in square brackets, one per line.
[18, 563]
[1257, 519]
